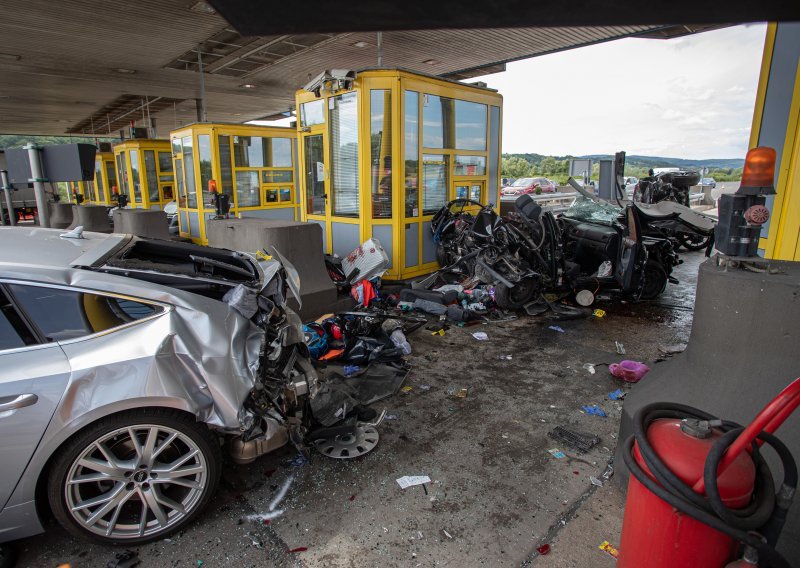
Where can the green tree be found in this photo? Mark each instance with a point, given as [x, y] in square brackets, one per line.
[516, 167]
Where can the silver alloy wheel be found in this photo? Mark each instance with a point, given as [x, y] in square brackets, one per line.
[136, 481]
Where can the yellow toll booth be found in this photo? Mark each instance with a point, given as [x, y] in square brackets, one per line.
[100, 191]
[144, 172]
[382, 150]
[255, 166]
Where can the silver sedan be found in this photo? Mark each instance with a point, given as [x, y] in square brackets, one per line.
[124, 362]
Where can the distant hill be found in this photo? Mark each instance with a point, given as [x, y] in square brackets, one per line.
[659, 162]
[648, 161]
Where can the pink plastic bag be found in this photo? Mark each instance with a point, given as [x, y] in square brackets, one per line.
[629, 371]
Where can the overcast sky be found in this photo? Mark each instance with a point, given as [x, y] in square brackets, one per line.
[690, 97]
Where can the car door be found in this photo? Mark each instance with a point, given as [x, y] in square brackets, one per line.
[631, 254]
[33, 378]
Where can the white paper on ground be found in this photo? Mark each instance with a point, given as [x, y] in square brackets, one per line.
[410, 480]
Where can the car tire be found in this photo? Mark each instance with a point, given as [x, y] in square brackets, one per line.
[655, 280]
[693, 242]
[515, 298]
[134, 477]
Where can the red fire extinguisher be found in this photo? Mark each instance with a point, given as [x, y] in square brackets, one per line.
[700, 493]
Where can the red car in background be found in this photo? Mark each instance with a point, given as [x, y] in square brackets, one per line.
[529, 185]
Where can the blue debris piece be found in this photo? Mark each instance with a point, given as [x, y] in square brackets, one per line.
[618, 394]
[556, 328]
[350, 370]
[594, 410]
[299, 461]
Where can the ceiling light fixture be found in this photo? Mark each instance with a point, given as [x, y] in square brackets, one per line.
[10, 56]
[431, 61]
[202, 7]
[125, 71]
[248, 86]
[360, 44]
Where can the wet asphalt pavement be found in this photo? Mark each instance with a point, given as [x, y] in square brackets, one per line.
[496, 492]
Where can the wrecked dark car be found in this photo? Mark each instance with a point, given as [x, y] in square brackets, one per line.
[128, 360]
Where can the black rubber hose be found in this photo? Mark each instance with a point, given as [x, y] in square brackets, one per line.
[672, 490]
[762, 504]
[766, 553]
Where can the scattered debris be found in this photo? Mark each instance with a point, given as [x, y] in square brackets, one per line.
[618, 394]
[350, 370]
[556, 328]
[594, 410]
[273, 512]
[672, 349]
[544, 549]
[457, 392]
[480, 335]
[598, 313]
[298, 549]
[589, 367]
[406, 389]
[556, 453]
[410, 480]
[447, 534]
[605, 546]
[299, 461]
[425, 387]
[125, 559]
[629, 371]
[505, 357]
[390, 417]
[579, 441]
[595, 481]
[620, 347]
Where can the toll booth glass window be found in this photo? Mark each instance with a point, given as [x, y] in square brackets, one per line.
[179, 181]
[470, 126]
[281, 156]
[225, 169]
[111, 173]
[343, 114]
[165, 166]
[272, 196]
[151, 174]
[475, 193]
[315, 174]
[469, 166]
[462, 192]
[380, 132]
[123, 174]
[248, 151]
[136, 180]
[434, 182]
[98, 187]
[412, 153]
[247, 189]
[312, 113]
[286, 194]
[204, 153]
[437, 122]
[188, 165]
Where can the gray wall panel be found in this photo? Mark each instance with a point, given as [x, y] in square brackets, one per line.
[282, 214]
[194, 224]
[345, 238]
[428, 246]
[384, 234]
[493, 189]
[778, 100]
[183, 221]
[324, 234]
[412, 244]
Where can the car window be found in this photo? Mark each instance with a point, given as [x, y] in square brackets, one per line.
[522, 182]
[66, 314]
[9, 336]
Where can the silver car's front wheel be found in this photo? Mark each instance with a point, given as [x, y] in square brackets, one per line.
[135, 477]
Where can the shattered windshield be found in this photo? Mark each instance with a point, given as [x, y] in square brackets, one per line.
[585, 209]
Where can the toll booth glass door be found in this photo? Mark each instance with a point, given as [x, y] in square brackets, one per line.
[314, 155]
